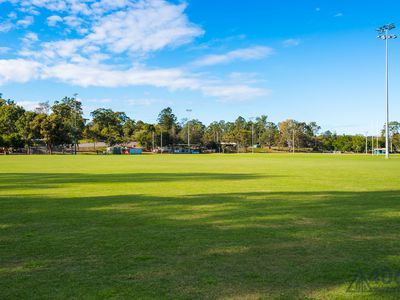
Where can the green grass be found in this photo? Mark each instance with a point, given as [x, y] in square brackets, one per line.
[248, 226]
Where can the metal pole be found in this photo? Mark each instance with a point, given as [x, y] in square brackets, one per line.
[75, 129]
[153, 142]
[366, 143]
[252, 137]
[75, 133]
[218, 145]
[188, 133]
[384, 34]
[293, 141]
[188, 126]
[372, 141]
[161, 143]
[387, 97]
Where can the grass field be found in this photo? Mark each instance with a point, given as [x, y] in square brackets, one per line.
[206, 226]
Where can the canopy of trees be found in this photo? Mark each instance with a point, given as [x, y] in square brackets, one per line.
[63, 125]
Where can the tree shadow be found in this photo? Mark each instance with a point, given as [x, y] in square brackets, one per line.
[285, 245]
[51, 180]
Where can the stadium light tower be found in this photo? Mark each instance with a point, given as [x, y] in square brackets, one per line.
[384, 35]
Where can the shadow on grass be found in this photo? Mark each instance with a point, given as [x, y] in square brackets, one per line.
[44, 180]
[273, 245]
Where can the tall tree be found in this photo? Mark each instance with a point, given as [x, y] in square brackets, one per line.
[168, 124]
[69, 110]
[9, 115]
[108, 125]
[27, 130]
[52, 130]
[270, 135]
[43, 108]
[196, 132]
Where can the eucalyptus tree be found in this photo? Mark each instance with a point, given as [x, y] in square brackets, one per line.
[69, 110]
[108, 125]
[270, 135]
[27, 130]
[197, 132]
[167, 122]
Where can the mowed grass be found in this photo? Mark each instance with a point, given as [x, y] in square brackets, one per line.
[196, 227]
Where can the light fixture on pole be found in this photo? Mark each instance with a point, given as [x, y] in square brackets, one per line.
[384, 35]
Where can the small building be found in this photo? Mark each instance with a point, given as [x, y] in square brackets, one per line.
[93, 146]
[114, 150]
[124, 150]
[186, 149]
[380, 151]
[229, 147]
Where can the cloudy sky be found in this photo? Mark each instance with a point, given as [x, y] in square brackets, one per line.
[311, 60]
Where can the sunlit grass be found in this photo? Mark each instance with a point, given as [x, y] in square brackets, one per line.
[205, 226]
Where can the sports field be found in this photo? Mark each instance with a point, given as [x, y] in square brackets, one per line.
[197, 227]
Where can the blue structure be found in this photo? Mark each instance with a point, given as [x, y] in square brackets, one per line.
[135, 151]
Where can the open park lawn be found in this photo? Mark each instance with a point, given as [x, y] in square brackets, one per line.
[262, 226]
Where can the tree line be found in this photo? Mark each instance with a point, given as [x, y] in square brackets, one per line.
[63, 125]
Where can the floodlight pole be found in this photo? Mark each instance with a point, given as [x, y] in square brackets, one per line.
[252, 137]
[75, 129]
[366, 143]
[384, 35]
[372, 142]
[252, 134]
[161, 141]
[387, 98]
[293, 140]
[377, 142]
[153, 141]
[188, 126]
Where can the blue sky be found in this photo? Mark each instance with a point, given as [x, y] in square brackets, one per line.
[308, 60]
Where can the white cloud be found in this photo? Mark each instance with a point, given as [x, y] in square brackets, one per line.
[12, 15]
[142, 27]
[338, 15]
[53, 20]
[231, 93]
[73, 6]
[147, 27]
[104, 76]
[28, 41]
[28, 105]
[18, 70]
[30, 38]
[25, 22]
[251, 53]
[173, 79]
[6, 26]
[73, 21]
[291, 42]
[115, 37]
